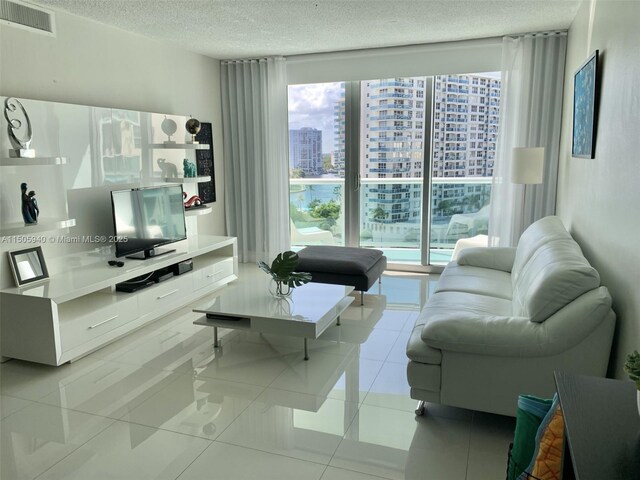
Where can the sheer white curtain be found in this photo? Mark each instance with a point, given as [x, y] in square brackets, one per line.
[530, 116]
[254, 114]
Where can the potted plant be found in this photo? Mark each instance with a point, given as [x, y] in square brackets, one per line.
[283, 275]
[632, 367]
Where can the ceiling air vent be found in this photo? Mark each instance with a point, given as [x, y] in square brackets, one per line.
[29, 17]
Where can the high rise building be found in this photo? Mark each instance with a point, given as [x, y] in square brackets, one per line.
[339, 131]
[391, 145]
[305, 151]
[464, 125]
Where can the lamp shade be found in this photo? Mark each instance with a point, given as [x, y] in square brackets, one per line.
[527, 165]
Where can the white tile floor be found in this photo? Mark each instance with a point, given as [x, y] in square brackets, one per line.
[161, 403]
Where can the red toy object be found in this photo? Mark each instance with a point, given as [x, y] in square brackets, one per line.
[194, 201]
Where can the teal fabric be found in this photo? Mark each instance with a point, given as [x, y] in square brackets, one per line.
[531, 411]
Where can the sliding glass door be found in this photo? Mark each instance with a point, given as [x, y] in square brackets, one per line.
[400, 164]
[317, 163]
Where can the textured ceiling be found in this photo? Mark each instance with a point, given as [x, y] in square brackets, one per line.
[252, 28]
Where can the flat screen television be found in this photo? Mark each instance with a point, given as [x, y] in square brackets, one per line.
[146, 218]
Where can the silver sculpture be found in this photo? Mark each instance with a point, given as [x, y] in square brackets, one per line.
[19, 137]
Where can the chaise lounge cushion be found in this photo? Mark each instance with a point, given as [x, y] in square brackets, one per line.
[344, 260]
[358, 267]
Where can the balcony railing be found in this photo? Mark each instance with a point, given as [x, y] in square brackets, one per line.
[391, 95]
[456, 212]
[391, 84]
[391, 117]
[390, 106]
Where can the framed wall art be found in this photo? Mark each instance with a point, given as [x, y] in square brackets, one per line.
[585, 85]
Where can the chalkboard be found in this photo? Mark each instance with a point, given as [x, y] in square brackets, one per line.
[204, 164]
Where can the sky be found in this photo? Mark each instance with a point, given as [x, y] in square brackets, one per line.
[312, 106]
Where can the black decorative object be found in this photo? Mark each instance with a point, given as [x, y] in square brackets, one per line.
[204, 164]
[585, 90]
[30, 210]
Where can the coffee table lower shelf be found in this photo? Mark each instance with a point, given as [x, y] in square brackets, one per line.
[276, 326]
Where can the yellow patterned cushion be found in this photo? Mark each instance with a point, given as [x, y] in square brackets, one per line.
[547, 464]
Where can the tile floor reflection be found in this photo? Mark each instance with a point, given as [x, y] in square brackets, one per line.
[161, 403]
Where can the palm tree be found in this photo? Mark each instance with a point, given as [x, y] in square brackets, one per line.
[379, 214]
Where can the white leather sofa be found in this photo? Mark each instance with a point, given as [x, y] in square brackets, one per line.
[503, 319]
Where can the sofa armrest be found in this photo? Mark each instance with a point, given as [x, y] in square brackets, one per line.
[495, 258]
[460, 331]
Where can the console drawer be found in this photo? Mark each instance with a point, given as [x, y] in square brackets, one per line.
[212, 273]
[166, 295]
[94, 315]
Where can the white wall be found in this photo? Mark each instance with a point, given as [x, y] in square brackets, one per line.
[598, 199]
[92, 64]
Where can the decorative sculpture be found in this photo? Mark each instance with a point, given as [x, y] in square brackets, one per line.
[33, 205]
[169, 170]
[194, 201]
[30, 210]
[189, 168]
[169, 127]
[193, 127]
[20, 138]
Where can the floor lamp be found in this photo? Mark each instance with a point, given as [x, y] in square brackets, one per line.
[527, 167]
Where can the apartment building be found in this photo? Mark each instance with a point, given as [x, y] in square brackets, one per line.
[305, 151]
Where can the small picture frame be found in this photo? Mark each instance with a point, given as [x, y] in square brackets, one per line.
[585, 91]
[28, 266]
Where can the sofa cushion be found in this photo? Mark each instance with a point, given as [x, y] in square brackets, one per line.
[481, 281]
[469, 303]
[556, 274]
[494, 258]
[418, 351]
[501, 335]
[539, 233]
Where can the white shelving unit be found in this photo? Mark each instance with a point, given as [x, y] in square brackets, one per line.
[203, 178]
[32, 162]
[194, 212]
[78, 311]
[179, 146]
[43, 225]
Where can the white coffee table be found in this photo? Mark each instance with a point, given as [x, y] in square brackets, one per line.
[246, 304]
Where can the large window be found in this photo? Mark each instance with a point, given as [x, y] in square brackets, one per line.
[317, 163]
[423, 169]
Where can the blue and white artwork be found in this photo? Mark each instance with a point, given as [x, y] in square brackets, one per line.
[584, 96]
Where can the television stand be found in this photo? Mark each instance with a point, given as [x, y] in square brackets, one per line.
[154, 252]
[80, 309]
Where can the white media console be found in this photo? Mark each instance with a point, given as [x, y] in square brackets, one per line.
[78, 311]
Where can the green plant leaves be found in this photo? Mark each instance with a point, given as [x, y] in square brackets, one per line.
[284, 264]
[632, 367]
[298, 279]
[265, 268]
[282, 270]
